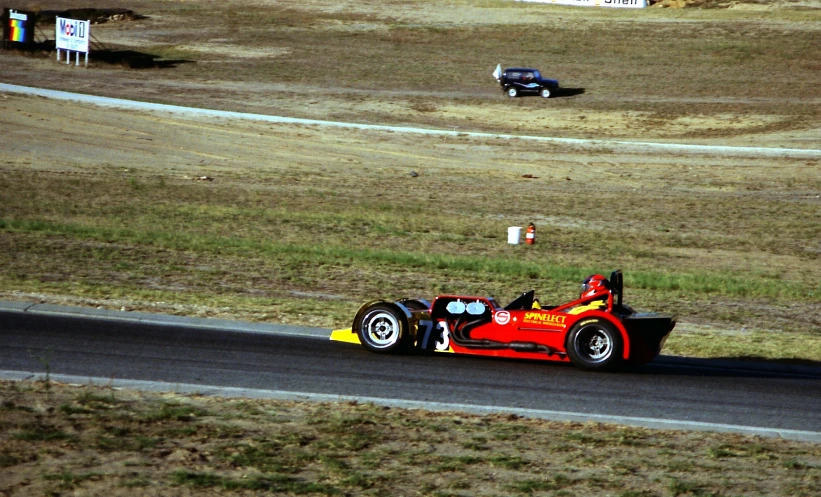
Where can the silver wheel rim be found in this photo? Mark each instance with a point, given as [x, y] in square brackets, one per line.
[511, 92]
[546, 93]
[593, 344]
[381, 328]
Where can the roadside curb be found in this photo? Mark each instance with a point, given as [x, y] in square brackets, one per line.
[323, 333]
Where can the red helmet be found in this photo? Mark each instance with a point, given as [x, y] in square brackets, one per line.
[594, 284]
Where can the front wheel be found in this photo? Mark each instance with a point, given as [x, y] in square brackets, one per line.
[594, 344]
[512, 92]
[383, 329]
[546, 92]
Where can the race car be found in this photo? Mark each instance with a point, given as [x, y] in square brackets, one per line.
[596, 331]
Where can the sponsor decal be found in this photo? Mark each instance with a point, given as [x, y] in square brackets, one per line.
[72, 35]
[72, 28]
[443, 345]
[544, 318]
[502, 318]
[18, 16]
[433, 336]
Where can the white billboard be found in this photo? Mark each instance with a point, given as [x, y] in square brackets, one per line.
[72, 35]
[624, 4]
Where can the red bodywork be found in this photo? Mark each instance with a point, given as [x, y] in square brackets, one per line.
[546, 327]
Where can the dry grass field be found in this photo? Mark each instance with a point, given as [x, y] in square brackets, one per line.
[300, 224]
[80, 440]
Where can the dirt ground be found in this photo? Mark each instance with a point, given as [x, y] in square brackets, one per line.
[241, 65]
[61, 439]
[749, 78]
[741, 73]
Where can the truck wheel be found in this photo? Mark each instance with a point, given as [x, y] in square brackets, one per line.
[594, 344]
[512, 92]
[546, 92]
[383, 329]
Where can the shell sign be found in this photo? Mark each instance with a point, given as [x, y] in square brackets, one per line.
[624, 4]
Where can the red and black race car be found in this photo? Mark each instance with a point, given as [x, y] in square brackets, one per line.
[595, 331]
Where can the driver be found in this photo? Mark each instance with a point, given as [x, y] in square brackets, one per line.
[594, 284]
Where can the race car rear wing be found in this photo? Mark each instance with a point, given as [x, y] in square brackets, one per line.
[617, 286]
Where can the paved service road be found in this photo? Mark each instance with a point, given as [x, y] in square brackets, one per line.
[623, 145]
[178, 354]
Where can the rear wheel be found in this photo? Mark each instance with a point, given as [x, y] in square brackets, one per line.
[594, 344]
[512, 92]
[383, 329]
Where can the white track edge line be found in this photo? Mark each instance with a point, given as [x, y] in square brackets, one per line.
[212, 390]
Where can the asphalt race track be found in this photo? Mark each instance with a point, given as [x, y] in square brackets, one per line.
[673, 393]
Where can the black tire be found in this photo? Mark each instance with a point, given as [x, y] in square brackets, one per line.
[594, 344]
[512, 92]
[383, 329]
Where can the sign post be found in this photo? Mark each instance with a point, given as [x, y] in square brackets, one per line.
[72, 35]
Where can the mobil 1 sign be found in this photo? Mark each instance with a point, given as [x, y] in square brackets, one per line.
[72, 35]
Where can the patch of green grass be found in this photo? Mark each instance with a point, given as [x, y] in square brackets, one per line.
[8, 459]
[637, 493]
[476, 443]
[584, 438]
[68, 480]
[456, 463]
[93, 399]
[680, 487]
[358, 480]
[795, 464]
[122, 439]
[530, 486]
[10, 405]
[72, 409]
[708, 283]
[176, 412]
[722, 451]
[268, 482]
[135, 482]
[186, 430]
[508, 461]
[42, 432]
[506, 431]
[803, 348]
